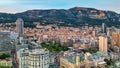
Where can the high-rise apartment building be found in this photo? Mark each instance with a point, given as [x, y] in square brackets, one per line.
[104, 28]
[20, 27]
[103, 44]
[115, 39]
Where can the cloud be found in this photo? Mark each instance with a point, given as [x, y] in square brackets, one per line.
[5, 2]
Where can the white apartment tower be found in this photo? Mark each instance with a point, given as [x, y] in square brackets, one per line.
[38, 58]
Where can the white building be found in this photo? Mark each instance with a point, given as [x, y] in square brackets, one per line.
[37, 58]
[13, 35]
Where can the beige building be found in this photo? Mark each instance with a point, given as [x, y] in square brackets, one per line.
[77, 60]
[73, 62]
[103, 44]
[7, 63]
[66, 64]
[115, 39]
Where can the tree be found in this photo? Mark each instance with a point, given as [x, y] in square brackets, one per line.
[54, 47]
[4, 56]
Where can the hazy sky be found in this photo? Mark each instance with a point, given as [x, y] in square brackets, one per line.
[13, 6]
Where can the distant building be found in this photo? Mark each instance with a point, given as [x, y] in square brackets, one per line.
[103, 44]
[20, 27]
[5, 41]
[104, 28]
[115, 39]
[13, 35]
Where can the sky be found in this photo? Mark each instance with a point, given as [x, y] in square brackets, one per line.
[16, 6]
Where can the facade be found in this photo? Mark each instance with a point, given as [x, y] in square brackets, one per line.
[23, 58]
[38, 58]
[103, 44]
[7, 63]
[115, 39]
[20, 27]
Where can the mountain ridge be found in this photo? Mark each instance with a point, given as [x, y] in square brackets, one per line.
[75, 16]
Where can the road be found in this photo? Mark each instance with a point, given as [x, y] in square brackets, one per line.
[13, 59]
